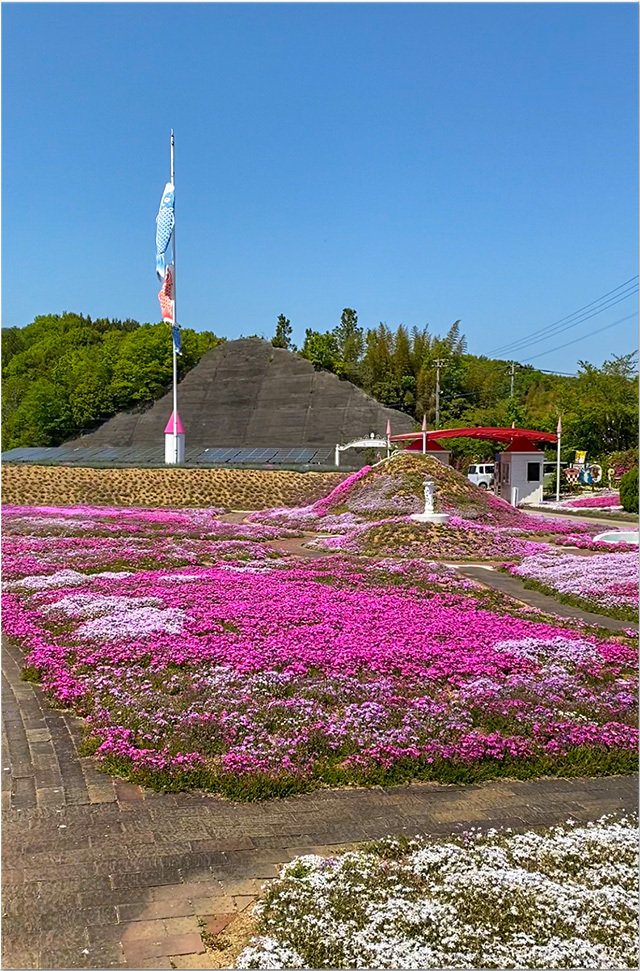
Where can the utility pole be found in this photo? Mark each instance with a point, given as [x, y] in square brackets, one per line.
[439, 362]
[512, 373]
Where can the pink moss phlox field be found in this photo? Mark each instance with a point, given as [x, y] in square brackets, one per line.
[24, 556]
[589, 543]
[110, 521]
[37, 540]
[139, 514]
[609, 500]
[247, 670]
[254, 667]
[609, 581]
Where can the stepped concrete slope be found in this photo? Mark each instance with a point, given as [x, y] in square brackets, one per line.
[247, 392]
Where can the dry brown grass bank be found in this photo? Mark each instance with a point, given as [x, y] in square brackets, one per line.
[35, 485]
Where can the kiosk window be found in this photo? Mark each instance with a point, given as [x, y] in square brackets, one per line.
[533, 471]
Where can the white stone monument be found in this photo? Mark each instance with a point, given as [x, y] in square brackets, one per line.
[429, 516]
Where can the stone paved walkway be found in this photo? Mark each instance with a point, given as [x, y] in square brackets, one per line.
[98, 873]
[586, 516]
[514, 587]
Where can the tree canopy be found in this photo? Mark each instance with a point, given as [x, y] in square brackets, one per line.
[599, 406]
[62, 375]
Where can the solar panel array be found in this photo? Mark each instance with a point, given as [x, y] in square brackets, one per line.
[153, 455]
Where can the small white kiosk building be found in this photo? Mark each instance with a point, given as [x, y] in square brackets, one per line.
[519, 473]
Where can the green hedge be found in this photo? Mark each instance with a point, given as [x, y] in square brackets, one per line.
[629, 490]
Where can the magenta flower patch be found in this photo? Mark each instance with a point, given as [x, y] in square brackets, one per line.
[251, 668]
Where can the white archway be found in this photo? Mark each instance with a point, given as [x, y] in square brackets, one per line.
[371, 442]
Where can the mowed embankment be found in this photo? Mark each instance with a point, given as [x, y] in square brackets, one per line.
[35, 485]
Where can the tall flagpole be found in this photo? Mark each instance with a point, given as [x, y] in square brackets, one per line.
[559, 434]
[175, 321]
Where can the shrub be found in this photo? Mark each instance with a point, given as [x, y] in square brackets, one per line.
[629, 490]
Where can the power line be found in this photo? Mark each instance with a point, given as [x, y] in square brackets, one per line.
[527, 342]
[563, 374]
[568, 320]
[584, 337]
[575, 313]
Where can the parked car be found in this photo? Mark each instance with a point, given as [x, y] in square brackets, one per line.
[481, 475]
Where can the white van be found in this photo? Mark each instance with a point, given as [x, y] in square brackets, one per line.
[481, 475]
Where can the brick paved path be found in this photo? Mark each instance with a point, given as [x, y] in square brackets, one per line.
[97, 873]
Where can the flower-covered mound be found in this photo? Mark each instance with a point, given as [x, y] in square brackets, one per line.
[607, 584]
[459, 539]
[396, 487]
[370, 513]
[567, 898]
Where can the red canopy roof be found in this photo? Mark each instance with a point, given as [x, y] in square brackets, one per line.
[522, 444]
[430, 445]
[492, 434]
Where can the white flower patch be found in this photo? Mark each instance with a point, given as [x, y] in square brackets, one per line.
[181, 578]
[251, 566]
[86, 605]
[134, 622]
[111, 617]
[270, 954]
[63, 578]
[562, 899]
[561, 649]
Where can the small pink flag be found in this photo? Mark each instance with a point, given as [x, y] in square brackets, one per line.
[424, 423]
[388, 428]
[559, 428]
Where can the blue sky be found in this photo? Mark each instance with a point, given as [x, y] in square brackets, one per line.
[419, 162]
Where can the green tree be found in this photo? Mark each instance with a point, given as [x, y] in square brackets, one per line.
[42, 418]
[282, 336]
[600, 407]
[321, 350]
[349, 338]
[401, 356]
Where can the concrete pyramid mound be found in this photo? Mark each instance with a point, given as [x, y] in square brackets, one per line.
[249, 393]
